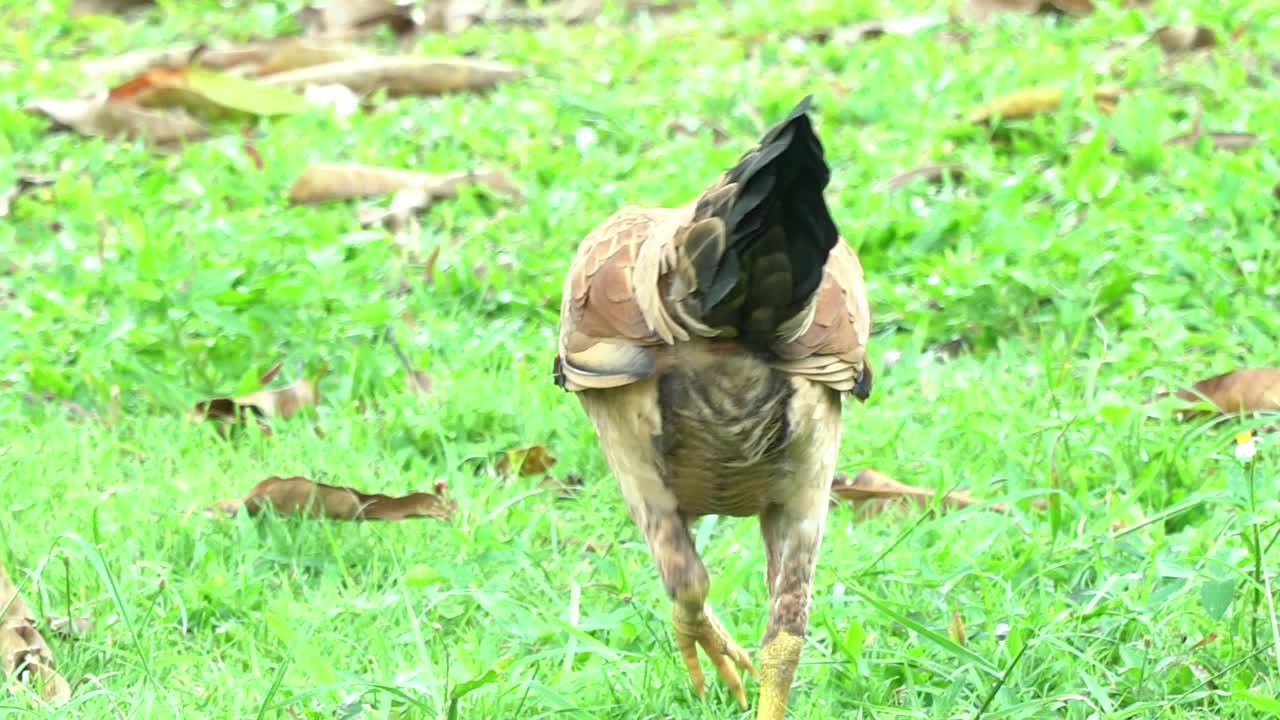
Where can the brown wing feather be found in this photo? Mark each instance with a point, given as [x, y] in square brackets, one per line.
[604, 336]
[831, 349]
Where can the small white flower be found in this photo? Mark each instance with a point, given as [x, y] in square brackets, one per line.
[1246, 446]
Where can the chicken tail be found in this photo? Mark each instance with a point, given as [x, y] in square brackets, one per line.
[754, 252]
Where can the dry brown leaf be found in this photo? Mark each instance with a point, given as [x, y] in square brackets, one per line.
[416, 381]
[401, 75]
[933, 173]
[869, 29]
[105, 7]
[206, 92]
[282, 402]
[23, 183]
[23, 652]
[307, 53]
[343, 181]
[870, 486]
[1175, 39]
[227, 57]
[260, 405]
[1246, 390]
[68, 628]
[1219, 140]
[567, 487]
[399, 217]
[956, 630]
[1034, 101]
[104, 118]
[533, 460]
[980, 10]
[300, 495]
[343, 17]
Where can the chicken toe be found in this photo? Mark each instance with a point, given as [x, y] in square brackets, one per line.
[702, 628]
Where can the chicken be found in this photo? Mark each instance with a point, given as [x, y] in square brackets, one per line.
[711, 345]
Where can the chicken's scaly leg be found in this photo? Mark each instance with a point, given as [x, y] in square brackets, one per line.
[792, 536]
[686, 580]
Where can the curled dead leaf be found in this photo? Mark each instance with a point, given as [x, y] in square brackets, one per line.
[300, 495]
[533, 460]
[876, 492]
[99, 116]
[1247, 390]
[956, 630]
[299, 54]
[416, 381]
[23, 183]
[343, 181]
[870, 29]
[1219, 140]
[933, 173]
[344, 17]
[1034, 101]
[981, 10]
[565, 487]
[206, 92]
[400, 75]
[1175, 39]
[260, 405]
[24, 654]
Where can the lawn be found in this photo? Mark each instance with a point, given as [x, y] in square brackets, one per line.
[1024, 316]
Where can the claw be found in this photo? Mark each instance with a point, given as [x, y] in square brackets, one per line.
[703, 629]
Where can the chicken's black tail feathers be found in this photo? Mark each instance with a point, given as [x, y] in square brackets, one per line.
[765, 233]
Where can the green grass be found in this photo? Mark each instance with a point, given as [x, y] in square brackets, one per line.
[1075, 278]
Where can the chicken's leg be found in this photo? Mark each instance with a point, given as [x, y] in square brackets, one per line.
[792, 536]
[686, 580]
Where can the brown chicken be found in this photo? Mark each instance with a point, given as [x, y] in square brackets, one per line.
[710, 345]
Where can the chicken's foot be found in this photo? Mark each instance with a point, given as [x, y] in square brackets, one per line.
[792, 536]
[686, 581]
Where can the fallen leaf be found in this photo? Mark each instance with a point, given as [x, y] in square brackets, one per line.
[1175, 39]
[1219, 140]
[429, 267]
[261, 405]
[224, 58]
[533, 460]
[104, 118]
[933, 173]
[400, 75]
[206, 92]
[451, 16]
[23, 652]
[23, 183]
[307, 53]
[1246, 390]
[1034, 101]
[398, 216]
[343, 181]
[1202, 642]
[956, 630]
[251, 149]
[980, 10]
[869, 29]
[870, 486]
[416, 381]
[567, 487]
[105, 7]
[300, 495]
[282, 402]
[342, 17]
[69, 628]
